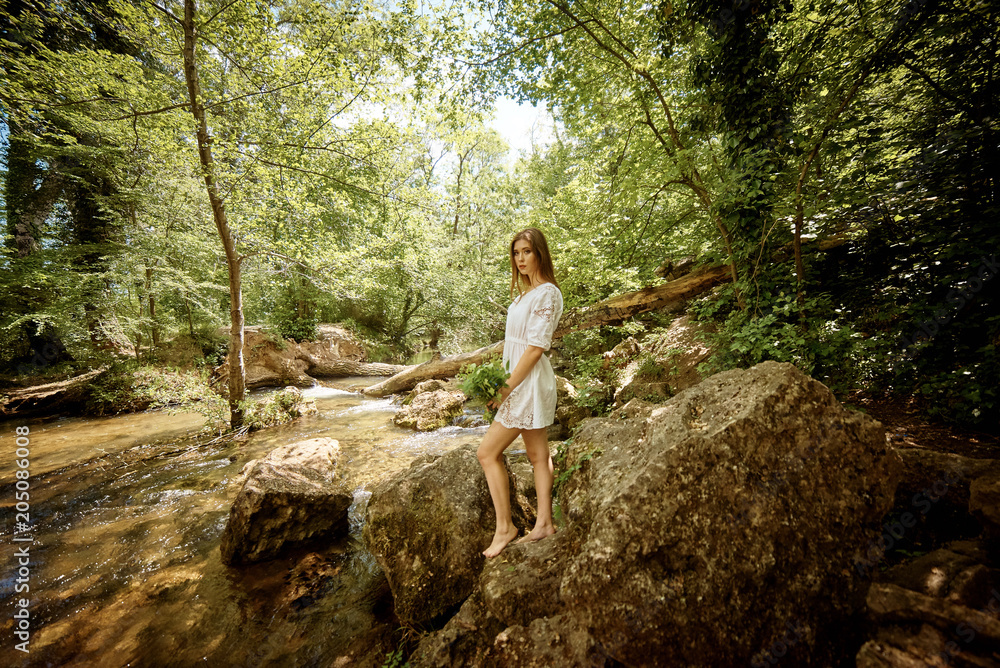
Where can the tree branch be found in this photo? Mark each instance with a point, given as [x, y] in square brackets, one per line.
[517, 48]
[345, 184]
[168, 13]
[136, 114]
[938, 88]
[215, 15]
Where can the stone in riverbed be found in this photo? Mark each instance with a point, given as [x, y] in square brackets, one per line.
[426, 386]
[289, 497]
[430, 410]
[427, 527]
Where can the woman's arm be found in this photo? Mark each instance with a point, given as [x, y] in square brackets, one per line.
[521, 371]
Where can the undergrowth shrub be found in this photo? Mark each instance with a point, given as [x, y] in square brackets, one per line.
[127, 386]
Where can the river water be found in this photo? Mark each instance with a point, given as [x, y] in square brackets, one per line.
[127, 514]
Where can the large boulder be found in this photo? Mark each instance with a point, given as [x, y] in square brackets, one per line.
[575, 458]
[718, 521]
[290, 497]
[271, 361]
[549, 641]
[569, 413]
[430, 410]
[427, 527]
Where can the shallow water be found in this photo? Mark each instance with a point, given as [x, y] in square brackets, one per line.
[127, 513]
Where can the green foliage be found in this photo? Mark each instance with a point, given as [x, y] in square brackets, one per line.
[274, 337]
[650, 367]
[593, 373]
[964, 395]
[818, 346]
[482, 383]
[127, 386]
[298, 328]
[378, 347]
[687, 129]
[274, 409]
[114, 390]
[214, 348]
[396, 659]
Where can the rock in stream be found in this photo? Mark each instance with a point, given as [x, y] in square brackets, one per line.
[291, 496]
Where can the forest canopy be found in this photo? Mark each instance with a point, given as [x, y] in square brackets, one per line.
[168, 163]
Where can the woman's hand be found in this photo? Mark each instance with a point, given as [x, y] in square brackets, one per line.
[504, 393]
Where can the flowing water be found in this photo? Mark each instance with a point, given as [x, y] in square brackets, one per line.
[127, 513]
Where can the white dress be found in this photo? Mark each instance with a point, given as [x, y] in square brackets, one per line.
[531, 321]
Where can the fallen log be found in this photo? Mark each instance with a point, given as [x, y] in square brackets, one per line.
[622, 307]
[446, 367]
[787, 251]
[619, 308]
[50, 397]
[343, 368]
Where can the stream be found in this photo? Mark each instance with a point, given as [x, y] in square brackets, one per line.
[127, 514]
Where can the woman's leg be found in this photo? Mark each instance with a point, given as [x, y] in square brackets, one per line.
[496, 440]
[536, 442]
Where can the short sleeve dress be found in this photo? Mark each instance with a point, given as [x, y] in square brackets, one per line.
[531, 321]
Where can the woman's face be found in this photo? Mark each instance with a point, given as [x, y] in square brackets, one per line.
[525, 259]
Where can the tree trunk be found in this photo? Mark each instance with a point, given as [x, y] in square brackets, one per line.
[237, 372]
[28, 204]
[187, 305]
[50, 397]
[154, 330]
[622, 307]
[344, 368]
[445, 367]
[458, 192]
[138, 329]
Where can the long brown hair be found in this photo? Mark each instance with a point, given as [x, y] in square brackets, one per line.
[540, 248]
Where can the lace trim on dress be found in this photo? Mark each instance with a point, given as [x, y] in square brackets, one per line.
[544, 313]
[515, 421]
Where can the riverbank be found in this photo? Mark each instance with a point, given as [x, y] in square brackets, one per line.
[127, 515]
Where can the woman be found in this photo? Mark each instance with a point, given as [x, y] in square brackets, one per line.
[528, 400]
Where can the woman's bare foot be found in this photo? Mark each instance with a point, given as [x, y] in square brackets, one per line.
[500, 540]
[538, 533]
